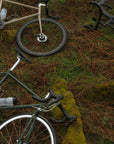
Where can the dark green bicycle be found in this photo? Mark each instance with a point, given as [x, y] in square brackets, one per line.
[30, 128]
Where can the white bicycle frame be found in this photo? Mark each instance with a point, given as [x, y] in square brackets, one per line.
[24, 17]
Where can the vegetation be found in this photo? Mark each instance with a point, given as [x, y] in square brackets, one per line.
[74, 133]
[86, 63]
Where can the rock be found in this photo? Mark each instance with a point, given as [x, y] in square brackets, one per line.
[101, 91]
[74, 134]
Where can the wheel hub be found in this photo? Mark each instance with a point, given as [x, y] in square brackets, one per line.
[41, 38]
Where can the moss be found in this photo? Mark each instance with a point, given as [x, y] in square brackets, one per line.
[60, 84]
[74, 134]
[101, 91]
[9, 34]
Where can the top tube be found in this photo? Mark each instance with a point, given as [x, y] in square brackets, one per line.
[21, 4]
[1, 4]
[22, 106]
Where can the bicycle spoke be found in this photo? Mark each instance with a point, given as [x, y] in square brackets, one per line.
[51, 40]
[12, 131]
[3, 138]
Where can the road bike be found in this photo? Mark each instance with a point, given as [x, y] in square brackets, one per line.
[30, 128]
[39, 36]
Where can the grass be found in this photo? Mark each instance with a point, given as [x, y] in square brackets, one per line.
[86, 59]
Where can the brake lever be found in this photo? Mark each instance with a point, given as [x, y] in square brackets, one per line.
[55, 100]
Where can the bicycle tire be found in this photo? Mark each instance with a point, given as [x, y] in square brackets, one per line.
[27, 37]
[105, 11]
[11, 129]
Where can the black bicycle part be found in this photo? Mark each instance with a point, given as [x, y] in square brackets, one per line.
[22, 56]
[101, 4]
[67, 117]
[47, 11]
[49, 16]
[46, 1]
[56, 38]
[56, 98]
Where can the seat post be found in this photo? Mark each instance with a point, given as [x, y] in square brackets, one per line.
[17, 62]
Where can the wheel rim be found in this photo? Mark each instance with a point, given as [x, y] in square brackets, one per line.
[108, 12]
[11, 130]
[51, 30]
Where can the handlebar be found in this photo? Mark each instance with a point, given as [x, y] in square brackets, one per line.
[50, 95]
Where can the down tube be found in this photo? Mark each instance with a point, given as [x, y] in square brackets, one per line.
[24, 86]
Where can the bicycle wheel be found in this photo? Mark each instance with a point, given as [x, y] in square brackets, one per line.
[50, 42]
[11, 130]
[107, 13]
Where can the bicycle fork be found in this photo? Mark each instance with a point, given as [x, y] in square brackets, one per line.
[41, 37]
[29, 127]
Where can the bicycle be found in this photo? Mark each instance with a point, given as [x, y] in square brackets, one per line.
[40, 36]
[102, 5]
[30, 128]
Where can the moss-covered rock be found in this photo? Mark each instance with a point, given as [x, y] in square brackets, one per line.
[101, 91]
[74, 134]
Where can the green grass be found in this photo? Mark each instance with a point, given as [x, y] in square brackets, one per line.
[86, 60]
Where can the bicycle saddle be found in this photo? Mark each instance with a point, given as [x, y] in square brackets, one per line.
[22, 56]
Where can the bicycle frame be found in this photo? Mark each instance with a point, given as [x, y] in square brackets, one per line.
[24, 17]
[39, 107]
[9, 74]
[31, 123]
